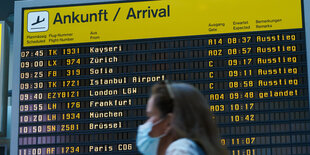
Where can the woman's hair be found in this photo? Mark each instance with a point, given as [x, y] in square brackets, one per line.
[191, 115]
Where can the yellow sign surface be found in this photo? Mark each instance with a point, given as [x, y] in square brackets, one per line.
[156, 19]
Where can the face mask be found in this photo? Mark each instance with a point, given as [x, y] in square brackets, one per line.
[147, 145]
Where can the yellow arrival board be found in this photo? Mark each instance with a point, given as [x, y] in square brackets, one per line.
[156, 19]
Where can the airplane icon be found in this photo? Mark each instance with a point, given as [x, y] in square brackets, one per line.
[38, 21]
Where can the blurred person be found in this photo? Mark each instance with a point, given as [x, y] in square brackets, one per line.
[179, 123]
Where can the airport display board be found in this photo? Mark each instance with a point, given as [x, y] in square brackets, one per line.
[84, 70]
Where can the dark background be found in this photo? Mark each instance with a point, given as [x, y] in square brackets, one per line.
[7, 11]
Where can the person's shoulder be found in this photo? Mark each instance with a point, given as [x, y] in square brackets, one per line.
[184, 146]
[184, 141]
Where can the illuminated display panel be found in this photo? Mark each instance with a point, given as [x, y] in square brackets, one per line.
[88, 96]
[4, 42]
[1, 107]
